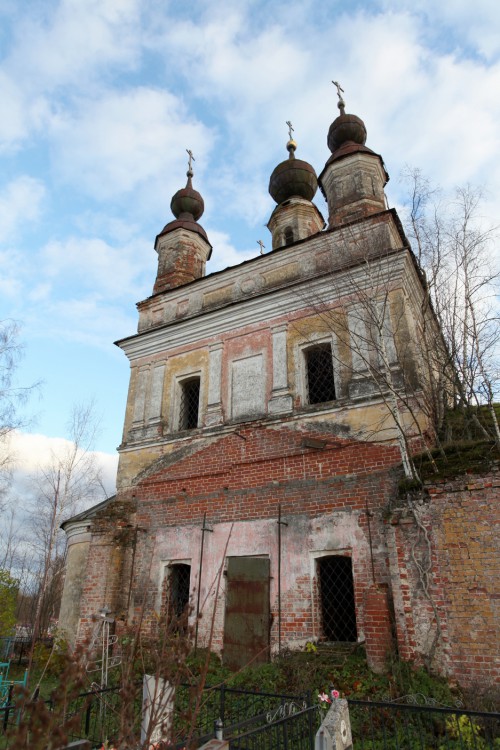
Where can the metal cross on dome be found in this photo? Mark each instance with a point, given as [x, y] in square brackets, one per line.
[339, 89]
[262, 246]
[191, 159]
[290, 129]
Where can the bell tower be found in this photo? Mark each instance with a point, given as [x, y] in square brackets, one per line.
[293, 185]
[182, 245]
[354, 176]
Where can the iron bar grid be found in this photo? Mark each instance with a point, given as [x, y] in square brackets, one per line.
[336, 588]
[319, 368]
[189, 406]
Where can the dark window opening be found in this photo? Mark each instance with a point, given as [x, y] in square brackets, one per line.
[336, 589]
[179, 582]
[319, 371]
[289, 236]
[190, 402]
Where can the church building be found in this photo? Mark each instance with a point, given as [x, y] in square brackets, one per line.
[272, 412]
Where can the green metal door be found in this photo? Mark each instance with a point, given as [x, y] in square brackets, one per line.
[247, 621]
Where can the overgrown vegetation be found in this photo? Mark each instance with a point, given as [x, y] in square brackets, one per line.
[299, 672]
[464, 447]
[309, 672]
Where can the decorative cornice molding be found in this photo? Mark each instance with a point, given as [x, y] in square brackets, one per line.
[268, 307]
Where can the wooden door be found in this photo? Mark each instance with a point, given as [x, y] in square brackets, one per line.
[247, 620]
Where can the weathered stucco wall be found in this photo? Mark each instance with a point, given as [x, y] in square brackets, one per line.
[76, 566]
[323, 486]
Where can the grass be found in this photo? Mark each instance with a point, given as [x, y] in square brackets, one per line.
[315, 669]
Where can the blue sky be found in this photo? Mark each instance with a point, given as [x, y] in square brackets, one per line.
[101, 98]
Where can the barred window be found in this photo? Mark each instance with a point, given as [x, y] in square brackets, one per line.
[319, 374]
[189, 404]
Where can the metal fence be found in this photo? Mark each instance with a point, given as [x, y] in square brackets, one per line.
[235, 709]
[378, 725]
[16, 649]
[93, 715]
[288, 730]
[269, 721]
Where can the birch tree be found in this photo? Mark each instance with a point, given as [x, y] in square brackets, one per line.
[12, 397]
[371, 308]
[70, 481]
[459, 253]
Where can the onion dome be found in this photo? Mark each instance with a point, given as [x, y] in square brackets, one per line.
[293, 177]
[187, 206]
[187, 201]
[346, 128]
[347, 135]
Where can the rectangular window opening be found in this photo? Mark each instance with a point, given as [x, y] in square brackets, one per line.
[189, 404]
[319, 374]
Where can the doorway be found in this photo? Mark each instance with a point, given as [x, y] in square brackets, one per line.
[247, 618]
[337, 603]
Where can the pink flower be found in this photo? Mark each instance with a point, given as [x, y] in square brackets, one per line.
[335, 694]
[324, 698]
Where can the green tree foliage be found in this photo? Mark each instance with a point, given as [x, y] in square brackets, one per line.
[9, 588]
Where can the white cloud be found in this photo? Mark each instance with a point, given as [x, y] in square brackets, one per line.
[13, 123]
[225, 254]
[73, 42]
[122, 139]
[459, 22]
[11, 287]
[57, 52]
[93, 264]
[20, 203]
[33, 452]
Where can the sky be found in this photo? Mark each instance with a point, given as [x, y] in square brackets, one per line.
[100, 100]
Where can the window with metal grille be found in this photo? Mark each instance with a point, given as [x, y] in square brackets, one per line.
[336, 589]
[189, 404]
[319, 374]
[289, 236]
[179, 582]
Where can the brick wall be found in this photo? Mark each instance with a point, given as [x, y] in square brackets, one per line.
[448, 614]
[240, 482]
[426, 571]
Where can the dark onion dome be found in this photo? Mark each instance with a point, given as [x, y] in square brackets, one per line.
[187, 201]
[346, 136]
[346, 128]
[187, 206]
[293, 177]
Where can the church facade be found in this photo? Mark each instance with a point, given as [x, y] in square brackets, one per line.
[272, 412]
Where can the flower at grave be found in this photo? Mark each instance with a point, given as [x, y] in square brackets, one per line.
[325, 698]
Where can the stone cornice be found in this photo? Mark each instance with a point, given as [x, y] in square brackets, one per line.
[268, 306]
[77, 531]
